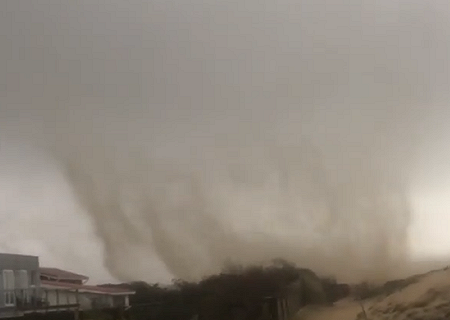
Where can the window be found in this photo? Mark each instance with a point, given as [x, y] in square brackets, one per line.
[8, 287]
[21, 285]
[21, 279]
[33, 277]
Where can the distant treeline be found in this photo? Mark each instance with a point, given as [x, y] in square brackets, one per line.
[226, 295]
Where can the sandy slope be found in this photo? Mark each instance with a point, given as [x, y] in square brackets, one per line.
[347, 310]
[427, 299]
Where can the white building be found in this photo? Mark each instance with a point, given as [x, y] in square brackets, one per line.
[25, 288]
[66, 288]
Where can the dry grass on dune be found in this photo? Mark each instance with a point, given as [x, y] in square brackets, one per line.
[422, 297]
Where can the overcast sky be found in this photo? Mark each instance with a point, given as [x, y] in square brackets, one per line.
[365, 82]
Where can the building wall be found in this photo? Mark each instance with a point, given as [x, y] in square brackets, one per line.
[59, 297]
[18, 262]
[86, 300]
[97, 301]
[121, 301]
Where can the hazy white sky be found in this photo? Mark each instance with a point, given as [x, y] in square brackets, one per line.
[367, 82]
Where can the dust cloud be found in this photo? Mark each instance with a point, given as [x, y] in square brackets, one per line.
[201, 133]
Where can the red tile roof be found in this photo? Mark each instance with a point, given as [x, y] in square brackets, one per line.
[85, 288]
[62, 274]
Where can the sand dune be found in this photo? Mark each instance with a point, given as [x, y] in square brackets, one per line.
[427, 298]
[346, 309]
